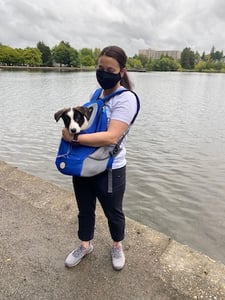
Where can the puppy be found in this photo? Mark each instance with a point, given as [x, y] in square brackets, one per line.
[75, 118]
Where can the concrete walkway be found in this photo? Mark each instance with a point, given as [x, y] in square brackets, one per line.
[38, 229]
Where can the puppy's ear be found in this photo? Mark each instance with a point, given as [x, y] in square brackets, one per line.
[84, 110]
[59, 114]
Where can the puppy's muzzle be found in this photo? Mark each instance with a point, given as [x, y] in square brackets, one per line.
[73, 130]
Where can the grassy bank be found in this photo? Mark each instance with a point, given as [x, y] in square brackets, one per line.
[46, 69]
[73, 69]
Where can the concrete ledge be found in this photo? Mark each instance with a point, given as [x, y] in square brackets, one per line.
[38, 229]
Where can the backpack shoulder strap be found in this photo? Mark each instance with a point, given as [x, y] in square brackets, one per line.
[138, 106]
[98, 92]
[116, 148]
[107, 98]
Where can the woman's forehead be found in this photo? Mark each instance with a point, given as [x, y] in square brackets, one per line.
[107, 61]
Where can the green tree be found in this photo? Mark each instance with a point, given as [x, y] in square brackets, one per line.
[134, 64]
[165, 63]
[32, 56]
[74, 57]
[210, 66]
[19, 53]
[10, 56]
[200, 66]
[218, 66]
[143, 59]
[218, 55]
[149, 65]
[86, 52]
[86, 57]
[203, 56]
[155, 65]
[87, 61]
[96, 54]
[212, 53]
[197, 57]
[46, 54]
[187, 59]
[61, 53]
[6, 54]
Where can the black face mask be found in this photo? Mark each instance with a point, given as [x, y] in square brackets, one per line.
[107, 80]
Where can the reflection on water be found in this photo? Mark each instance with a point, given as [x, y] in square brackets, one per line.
[176, 161]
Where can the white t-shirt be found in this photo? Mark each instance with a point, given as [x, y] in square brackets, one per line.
[121, 107]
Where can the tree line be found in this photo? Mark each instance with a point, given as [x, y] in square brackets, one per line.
[41, 55]
[189, 61]
[64, 54]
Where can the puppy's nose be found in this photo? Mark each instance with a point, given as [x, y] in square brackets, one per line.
[73, 130]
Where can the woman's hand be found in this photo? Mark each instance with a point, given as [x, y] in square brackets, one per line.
[66, 135]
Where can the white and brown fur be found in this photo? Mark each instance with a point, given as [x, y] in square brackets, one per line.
[75, 118]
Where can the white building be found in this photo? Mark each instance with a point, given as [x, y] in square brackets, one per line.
[156, 54]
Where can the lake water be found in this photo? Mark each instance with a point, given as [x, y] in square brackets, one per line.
[176, 149]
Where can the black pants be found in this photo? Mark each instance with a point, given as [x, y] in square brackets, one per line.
[88, 189]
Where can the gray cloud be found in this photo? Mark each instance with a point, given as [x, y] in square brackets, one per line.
[131, 24]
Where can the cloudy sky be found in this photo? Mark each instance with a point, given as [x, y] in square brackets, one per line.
[131, 24]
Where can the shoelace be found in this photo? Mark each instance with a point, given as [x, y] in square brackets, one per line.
[116, 252]
[78, 251]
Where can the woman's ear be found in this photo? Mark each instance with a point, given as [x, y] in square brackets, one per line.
[123, 71]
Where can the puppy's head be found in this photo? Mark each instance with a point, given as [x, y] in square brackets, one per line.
[75, 118]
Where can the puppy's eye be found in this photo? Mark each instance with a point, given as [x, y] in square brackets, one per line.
[78, 117]
[66, 118]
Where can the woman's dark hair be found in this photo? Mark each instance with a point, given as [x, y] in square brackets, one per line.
[119, 55]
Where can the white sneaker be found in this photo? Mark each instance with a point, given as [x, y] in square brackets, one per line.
[118, 257]
[77, 254]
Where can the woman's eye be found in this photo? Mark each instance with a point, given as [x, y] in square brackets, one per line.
[106, 70]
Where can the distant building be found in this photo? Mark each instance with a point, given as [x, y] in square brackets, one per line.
[156, 54]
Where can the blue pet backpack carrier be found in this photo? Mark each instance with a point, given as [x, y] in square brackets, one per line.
[80, 160]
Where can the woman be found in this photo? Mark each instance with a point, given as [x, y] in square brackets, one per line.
[111, 74]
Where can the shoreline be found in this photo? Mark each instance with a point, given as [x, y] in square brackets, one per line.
[46, 69]
[89, 69]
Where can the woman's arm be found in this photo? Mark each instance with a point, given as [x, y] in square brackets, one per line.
[104, 138]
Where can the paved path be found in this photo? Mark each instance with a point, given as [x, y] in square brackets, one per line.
[38, 229]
